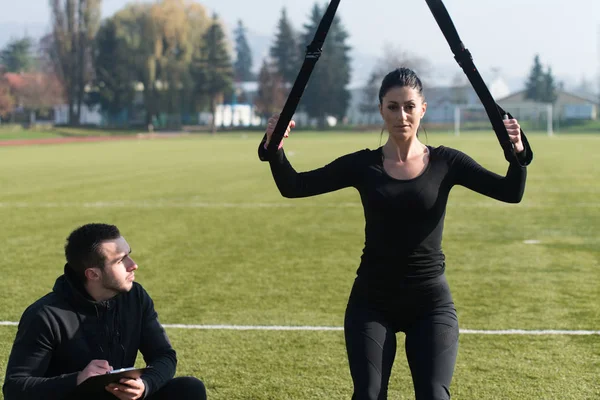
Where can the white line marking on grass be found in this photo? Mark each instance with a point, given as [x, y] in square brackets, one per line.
[339, 328]
[169, 204]
[256, 327]
[196, 204]
[528, 332]
[532, 241]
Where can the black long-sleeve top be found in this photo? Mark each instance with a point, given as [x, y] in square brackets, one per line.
[404, 219]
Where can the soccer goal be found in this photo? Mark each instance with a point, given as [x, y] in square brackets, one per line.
[532, 117]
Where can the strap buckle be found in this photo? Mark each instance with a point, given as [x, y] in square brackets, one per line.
[313, 51]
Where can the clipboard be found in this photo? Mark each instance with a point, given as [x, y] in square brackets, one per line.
[96, 384]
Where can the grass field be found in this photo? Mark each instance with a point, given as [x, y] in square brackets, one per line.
[217, 244]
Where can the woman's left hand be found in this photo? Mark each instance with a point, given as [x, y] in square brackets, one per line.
[514, 133]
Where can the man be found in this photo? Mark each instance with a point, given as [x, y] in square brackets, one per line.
[95, 319]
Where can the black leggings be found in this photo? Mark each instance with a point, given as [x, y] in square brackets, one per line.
[426, 314]
[185, 387]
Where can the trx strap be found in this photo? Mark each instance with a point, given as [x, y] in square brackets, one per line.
[463, 56]
[313, 52]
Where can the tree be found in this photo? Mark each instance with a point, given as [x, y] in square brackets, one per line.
[7, 102]
[370, 92]
[393, 57]
[534, 87]
[18, 55]
[549, 87]
[338, 62]
[243, 62]
[271, 96]
[74, 26]
[284, 50]
[199, 22]
[317, 87]
[114, 78]
[139, 35]
[39, 93]
[344, 73]
[540, 86]
[32, 92]
[326, 93]
[212, 70]
[151, 47]
[181, 25]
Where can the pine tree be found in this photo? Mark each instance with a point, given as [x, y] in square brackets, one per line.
[326, 93]
[17, 55]
[213, 70]
[113, 75]
[339, 64]
[370, 91]
[317, 87]
[549, 88]
[284, 51]
[540, 85]
[243, 62]
[534, 87]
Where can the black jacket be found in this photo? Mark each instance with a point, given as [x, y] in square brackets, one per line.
[62, 332]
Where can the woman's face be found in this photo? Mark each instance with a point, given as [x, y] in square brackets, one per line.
[402, 109]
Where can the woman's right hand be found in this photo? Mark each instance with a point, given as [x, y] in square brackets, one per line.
[271, 127]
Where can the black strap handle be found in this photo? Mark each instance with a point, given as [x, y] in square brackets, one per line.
[464, 58]
[313, 52]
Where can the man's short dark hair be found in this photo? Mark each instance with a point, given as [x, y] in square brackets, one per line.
[82, 250]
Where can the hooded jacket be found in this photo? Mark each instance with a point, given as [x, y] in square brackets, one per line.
[62, 332]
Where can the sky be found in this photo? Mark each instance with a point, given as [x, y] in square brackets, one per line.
[503, 35]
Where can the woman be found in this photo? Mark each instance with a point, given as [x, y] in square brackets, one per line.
[401, 284]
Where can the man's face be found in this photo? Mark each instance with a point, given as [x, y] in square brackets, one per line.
[118, 273]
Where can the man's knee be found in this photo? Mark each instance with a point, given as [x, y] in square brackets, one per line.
[189, 387]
